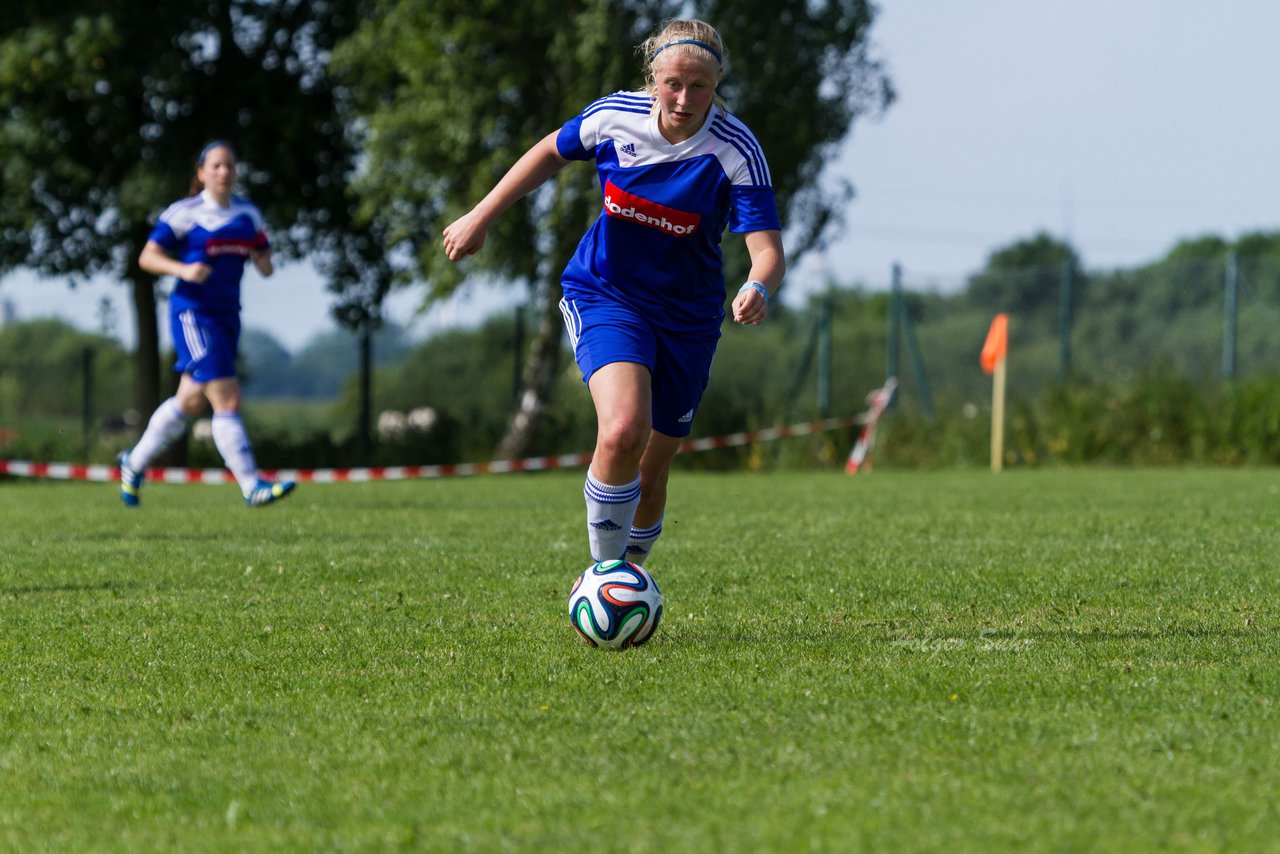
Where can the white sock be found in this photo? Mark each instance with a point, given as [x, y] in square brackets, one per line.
[610, 510]
[167, 423]
[641, 542]
[233, 443]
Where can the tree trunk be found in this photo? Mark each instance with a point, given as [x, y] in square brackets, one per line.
[147, 356]
[365, 417]
[149, 390]
[576, 205]
[540, 372]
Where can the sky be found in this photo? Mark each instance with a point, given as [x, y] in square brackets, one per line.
[1121, 126]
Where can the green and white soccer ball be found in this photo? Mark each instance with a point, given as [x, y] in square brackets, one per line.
[615, 604]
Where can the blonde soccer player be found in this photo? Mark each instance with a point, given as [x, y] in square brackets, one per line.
[644, 293]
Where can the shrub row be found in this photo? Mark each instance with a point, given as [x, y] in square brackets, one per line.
[1159, 419]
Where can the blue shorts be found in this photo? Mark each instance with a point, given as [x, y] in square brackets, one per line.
[603, 331]
[205, 342]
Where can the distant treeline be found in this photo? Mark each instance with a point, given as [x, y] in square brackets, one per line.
[1176, 361]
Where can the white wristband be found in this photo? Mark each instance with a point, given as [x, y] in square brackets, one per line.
[758, 287]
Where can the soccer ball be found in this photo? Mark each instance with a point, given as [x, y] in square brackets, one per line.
[615, 604]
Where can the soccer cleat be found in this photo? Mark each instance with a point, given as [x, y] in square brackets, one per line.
[267, 492]
[131, 480]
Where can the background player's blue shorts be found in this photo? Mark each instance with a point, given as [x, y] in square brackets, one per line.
[206, 343]
[604, 331]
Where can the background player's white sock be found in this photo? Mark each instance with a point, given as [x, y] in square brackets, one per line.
[167, 423]
[233, 443]
[641, 542]
[610, 510]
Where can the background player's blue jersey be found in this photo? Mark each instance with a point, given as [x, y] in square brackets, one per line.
[656, 243]
[199, 229]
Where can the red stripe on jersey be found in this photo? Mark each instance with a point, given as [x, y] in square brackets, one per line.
[216, 246]
[620, 204]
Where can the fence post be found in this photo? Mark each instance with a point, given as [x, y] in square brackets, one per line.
[365, 416]
[917, 363]
[1065, 322]
[86, 403]
[824, 355]
[517, 349]
[802, 369]
[891, 338]
[1230, 312]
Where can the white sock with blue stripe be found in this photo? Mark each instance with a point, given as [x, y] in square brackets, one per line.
[233, 444]
[641, 542]
[610, 510]
[167, 423]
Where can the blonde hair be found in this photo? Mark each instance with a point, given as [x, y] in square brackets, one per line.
[695, 39]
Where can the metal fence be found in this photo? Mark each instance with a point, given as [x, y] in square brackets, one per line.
[67, 391]
[1205, 320]
[1208, 320]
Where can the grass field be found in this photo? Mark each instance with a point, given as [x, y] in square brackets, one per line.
[1054, 660]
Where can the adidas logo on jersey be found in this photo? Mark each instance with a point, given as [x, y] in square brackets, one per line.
[629, 149]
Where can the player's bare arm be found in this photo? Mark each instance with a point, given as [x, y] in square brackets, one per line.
[768, 265]
[262, 261]
[159, 263]
[466, 235]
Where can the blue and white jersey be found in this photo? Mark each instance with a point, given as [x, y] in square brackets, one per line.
[656, 243]
[200, 229]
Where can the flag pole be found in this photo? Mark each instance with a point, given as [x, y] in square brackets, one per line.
[994, 352]
[997, 416]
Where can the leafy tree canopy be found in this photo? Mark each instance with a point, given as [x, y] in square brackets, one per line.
[1206, 248]
[1024, 277]
[1211, 247]
[454, 91]
[1259, 243]
[104, 106]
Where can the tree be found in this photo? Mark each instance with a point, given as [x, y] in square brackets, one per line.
[104, 105]
[453, 92]
[42, 371]
[1025, 277]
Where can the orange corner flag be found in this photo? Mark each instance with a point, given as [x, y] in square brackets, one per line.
[997, 343]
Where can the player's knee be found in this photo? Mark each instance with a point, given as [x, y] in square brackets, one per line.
[223, 396]
[226, 404]
[623, 438]
[192, 405]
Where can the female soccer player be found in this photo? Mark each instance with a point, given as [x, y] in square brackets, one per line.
[644, 293]
[203, 242]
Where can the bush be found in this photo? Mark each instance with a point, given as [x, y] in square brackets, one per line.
[1158, 419]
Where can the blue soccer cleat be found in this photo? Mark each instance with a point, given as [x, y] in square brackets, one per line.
[131, 480]
[268, 492]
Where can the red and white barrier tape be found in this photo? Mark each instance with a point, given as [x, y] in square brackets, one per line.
[106, 474]
[878, 401]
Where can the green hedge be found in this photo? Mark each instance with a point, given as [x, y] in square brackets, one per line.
[1157, 419]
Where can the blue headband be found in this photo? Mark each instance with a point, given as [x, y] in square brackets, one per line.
[217, 143]
[703, 45]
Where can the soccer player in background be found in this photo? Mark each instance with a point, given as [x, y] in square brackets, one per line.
[203, 241]
[644, 293]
